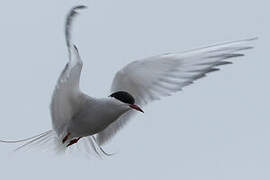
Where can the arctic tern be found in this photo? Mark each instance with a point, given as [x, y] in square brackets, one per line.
[76, 115]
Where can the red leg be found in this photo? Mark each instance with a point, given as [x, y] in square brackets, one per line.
[73, 141]
[65, 138]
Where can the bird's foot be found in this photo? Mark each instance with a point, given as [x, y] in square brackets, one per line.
[65, 138]
[73, 141]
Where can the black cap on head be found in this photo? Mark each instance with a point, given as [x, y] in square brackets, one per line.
[124, 97]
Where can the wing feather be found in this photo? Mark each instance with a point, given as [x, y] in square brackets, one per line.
[158, 76]
[67, 88]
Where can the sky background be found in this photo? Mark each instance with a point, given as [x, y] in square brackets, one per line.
[218, 128]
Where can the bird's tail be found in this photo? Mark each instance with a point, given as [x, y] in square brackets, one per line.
[39, 139]
[49, 141]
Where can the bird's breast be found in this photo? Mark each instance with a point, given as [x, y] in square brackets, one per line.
[92, 119]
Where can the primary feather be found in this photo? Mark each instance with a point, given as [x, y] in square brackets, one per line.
[158, 76]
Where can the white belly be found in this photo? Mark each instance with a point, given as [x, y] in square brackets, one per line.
[93, 117]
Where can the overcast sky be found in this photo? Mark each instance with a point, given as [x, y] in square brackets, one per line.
[218, 128]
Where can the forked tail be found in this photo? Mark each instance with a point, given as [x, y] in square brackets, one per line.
[49, 141]
[34, 140]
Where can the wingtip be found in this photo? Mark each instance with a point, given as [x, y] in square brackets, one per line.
[254, 38]
[251, 39]
[79, 7]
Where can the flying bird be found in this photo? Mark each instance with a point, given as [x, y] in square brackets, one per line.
[75, 115]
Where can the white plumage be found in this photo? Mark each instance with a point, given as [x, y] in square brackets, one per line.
[75, 115]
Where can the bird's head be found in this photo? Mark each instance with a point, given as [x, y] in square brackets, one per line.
[126, 99]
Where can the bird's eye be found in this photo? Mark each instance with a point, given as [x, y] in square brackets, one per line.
[124, 97]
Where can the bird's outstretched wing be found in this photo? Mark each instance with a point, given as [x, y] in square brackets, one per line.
[155, 77]
[67, 87]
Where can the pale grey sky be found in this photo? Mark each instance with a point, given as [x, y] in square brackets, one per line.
[218, 128]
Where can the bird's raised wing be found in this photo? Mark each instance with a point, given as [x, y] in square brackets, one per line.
[67, 87]
[152, 78]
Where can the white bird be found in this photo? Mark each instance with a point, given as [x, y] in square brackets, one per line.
[76, 115]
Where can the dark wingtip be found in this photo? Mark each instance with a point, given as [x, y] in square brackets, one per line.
[254, 38]
[79, 7]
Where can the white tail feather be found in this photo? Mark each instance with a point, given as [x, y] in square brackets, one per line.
[49, 140]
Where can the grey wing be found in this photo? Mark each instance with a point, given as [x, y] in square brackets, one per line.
[155, 77]
[67, 87]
